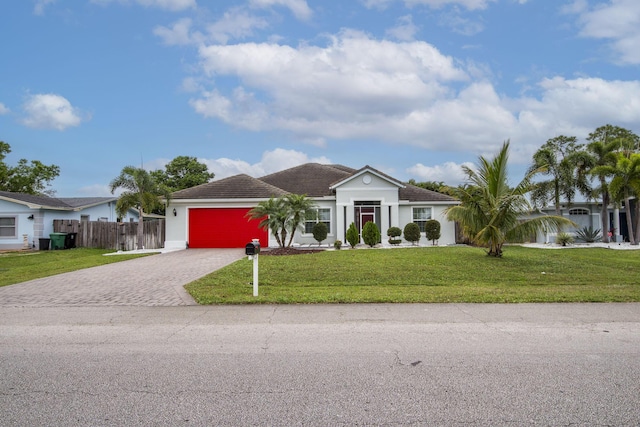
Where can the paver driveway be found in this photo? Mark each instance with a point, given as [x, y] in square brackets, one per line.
[155, 280]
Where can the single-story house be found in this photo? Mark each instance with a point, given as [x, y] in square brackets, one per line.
[587, 214]
[214, 214]
[25, 218]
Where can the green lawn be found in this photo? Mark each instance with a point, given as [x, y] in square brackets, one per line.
[447, 274]
[16, 267]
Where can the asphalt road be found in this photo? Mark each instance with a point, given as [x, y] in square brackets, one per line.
[475, 365]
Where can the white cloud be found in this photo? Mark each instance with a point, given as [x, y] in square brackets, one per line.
[177, 34]
[236, 23]
[435, 4]
[271, 161]
[617, 21]
[172, 5]
[359, 88]
[50, 111]
[299, 8]
[40, 5]
[450, 173]
[405, 29]
[3, 109]
[461, 25]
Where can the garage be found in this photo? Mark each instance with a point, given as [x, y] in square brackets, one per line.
[223, 228]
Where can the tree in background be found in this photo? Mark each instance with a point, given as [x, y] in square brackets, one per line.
[491, 212]
[429, 185]
[320, 232]
[556, 159]
[412, 233]
[141, 192]
[183, 172]
[299, 206]
[432, 230]
[26, 177]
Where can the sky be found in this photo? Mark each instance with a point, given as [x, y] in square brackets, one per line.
[413, 88]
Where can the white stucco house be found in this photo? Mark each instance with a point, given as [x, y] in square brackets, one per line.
[215, 214]
[25, 218]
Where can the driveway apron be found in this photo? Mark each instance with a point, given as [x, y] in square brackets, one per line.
[155, 280]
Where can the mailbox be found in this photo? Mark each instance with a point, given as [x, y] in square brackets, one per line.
[252, 248]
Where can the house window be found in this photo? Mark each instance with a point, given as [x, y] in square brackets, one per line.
[8, 227]
[421, 216]
[317, 215]
[579, 211]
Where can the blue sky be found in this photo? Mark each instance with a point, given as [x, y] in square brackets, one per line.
[415, 88]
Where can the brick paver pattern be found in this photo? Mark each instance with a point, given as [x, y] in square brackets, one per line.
[155, 280]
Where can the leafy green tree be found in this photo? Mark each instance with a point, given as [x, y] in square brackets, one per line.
[491, 212]
[352, 235]
[26, 177]
[320, 232]
[183, 172]
[432, 230]
[282, 216]
[556, 160]
[371, 234]
[141, 192]
[412, 233]
[429, 185]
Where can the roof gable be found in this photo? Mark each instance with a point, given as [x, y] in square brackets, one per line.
[234, 187]
[364, 170]
[46, 202]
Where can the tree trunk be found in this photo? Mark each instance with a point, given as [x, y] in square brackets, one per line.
[627, 214]
[637, 224]
[604, 214]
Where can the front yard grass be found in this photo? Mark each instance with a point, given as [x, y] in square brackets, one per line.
[16, 267]
[429, 275]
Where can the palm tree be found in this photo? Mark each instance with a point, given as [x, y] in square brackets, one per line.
[141, 192]
[625, 185]
[299, 206]
[492, 213]
[601, 151]
[273, 216]
[556, 160]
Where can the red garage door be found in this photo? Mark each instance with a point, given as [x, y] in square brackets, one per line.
[223, 228]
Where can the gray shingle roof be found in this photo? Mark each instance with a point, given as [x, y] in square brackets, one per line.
[56, 202]
[234, 187]
[312, 179]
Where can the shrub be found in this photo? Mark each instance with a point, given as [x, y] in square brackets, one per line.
[564, 239]
[320, 231]
[371, 234]
[589, 235]
[432, 230]
[337, 244]
[352, 235]
[394, 233]
[412, 233]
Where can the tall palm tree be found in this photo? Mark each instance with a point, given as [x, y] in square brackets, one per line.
[601, 151]
[624, 185]
[299, 206]
[555, 159]
[491, 212]
[141, 192]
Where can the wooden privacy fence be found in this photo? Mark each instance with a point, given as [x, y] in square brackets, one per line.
[112, 235]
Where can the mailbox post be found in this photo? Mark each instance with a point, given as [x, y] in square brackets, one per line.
[252, 250]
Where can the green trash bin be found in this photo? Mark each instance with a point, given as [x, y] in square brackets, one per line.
[57, 240]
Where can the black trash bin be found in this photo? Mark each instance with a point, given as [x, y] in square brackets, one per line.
[70, 240]
[44, 244]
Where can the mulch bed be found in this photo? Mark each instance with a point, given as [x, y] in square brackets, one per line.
[290, 251]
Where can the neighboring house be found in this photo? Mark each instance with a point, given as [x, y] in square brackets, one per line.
[215, 214]
[25, 218]
[587, 214]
